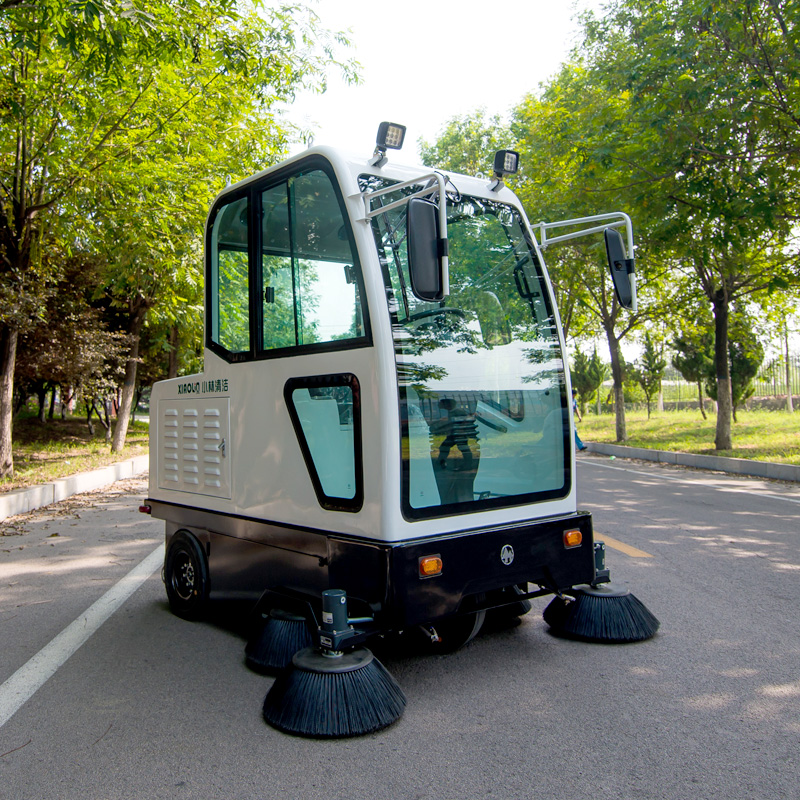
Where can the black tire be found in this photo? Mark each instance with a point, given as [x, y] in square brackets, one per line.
[186, 576]
[458, 631]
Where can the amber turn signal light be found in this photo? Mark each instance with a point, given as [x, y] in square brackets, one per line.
[430, 566]
[573, 538]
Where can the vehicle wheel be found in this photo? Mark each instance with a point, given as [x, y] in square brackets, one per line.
[186, 576]
[455, 632]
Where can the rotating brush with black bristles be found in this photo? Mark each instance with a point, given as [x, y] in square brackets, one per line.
[327, 693]
[327, 697]
[607, 613]
[600, 612]
[275, 641]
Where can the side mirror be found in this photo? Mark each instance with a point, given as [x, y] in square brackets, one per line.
[424, 264]
[621, 268]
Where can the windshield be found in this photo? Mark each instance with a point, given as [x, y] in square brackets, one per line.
[481, 378]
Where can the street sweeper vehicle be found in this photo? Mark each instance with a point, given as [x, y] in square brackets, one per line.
[381, 440]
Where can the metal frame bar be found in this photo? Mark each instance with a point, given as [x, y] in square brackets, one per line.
[439, 187]
[613, 220]
[620, 217]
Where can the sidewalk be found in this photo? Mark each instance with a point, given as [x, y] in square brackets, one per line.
[737, 466]
[19, 501]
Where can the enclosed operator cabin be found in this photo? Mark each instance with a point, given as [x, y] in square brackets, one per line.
[345, 402]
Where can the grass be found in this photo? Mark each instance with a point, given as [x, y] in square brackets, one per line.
[760, 435]
[58, 448]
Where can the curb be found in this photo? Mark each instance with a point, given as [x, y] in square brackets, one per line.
[737, 466]
[19, 501]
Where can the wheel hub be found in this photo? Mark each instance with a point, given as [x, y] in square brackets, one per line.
[184, 583]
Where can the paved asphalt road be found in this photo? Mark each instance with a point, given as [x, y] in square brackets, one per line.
[151, 706]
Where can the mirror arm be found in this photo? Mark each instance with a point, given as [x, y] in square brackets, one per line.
[435, 183]
[601, 222]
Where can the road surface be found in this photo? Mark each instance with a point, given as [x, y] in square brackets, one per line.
[140, 704]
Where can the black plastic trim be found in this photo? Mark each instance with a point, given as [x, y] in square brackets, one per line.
[323, 381]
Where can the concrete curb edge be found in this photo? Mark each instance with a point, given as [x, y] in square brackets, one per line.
[737, 466]
[19, 501]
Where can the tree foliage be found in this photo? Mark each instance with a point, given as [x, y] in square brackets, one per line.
[649, 370]
[467, 144]
[713, 137]
[588, 374]
[122, 118]
[694, 355]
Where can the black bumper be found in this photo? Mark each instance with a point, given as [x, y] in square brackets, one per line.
[247, 557]
[476, 565]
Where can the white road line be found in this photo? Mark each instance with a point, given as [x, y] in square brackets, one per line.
[24, 683]
[664, 476]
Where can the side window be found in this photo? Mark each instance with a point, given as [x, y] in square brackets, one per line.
[282, 271]
[311, 287]
[229, 278]
[326, 415]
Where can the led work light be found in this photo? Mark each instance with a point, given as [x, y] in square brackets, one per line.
[506, 162]
[390, 137]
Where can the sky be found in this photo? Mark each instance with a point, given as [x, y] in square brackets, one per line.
[430, 60]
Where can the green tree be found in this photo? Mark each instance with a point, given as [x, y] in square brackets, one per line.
[649, 371]
[93, 88]
[714, 138]
[70, 341]
[588, 374]
[466, 144]
[694, 356]
[573, 139]
[746, 354]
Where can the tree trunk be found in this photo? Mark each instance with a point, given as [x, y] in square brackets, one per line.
[41, 396]
[789, 404]
[660, 401]
[107, 419]
[129, 385]
[723, 440]
[700, 399]
[619, 396]
[8, 359]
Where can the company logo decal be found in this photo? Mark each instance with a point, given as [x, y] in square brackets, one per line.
[507, 554]
[203, 387]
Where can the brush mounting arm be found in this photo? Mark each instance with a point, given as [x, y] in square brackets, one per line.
[336, 631]
[601, 572]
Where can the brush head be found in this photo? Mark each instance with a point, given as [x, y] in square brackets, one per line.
[271, 647]
[328, 697]
[607, 613]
